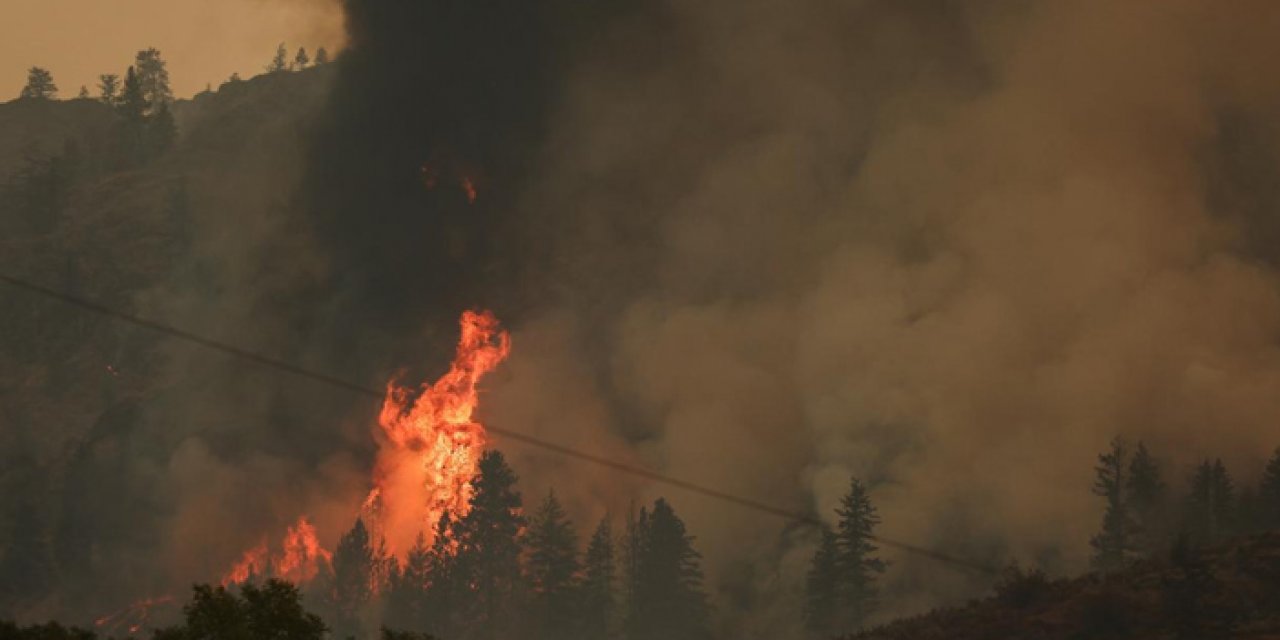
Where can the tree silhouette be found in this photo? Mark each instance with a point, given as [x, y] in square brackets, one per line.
[322, 56]
[1269, 493]
[668, 602]
[489, 548]
[820, 587]
[598, 599]
[109, 88]
[39, 85]
[353, 580]
[857, 567]
[1113, 546]
[301, 60]
[280, 62]
[1210, 504]
[1147, 495]
[407, 589]
[153, 80]
[553, 570]
[273, 610]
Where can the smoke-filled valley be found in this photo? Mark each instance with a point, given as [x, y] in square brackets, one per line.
[953, 250]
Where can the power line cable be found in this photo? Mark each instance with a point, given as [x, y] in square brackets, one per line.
[347, 385]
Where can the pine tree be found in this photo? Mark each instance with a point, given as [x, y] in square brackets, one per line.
[407, 588]
[280, 62]
[490, 539]
[598, 599]
[354, 566]
[301, 60]
[322, 56]
[553, 570]
[856, 564]
[109, 88]
[40, 85]
[153, 80]
[84, 93]
[1113, 546]
[1210, 504]
[1147, 499]
[668, 601]
[820, 587]
[1269, 493]
[133, 102]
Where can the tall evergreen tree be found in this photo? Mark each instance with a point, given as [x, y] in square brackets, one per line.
[490, 540]
[598, 600]
[354, 566]
[39, 85]
[1210, 504]
[407, 589]
[109, 88]
[553, 570]
[668, 602]
[1147, 494]
[153, 80]
[857, 566]
[322, 56]
[1269, 493]
[301, 60]
[1113, 546]
[820, 587]
[133, 101]
[445, 586]
[281, 60]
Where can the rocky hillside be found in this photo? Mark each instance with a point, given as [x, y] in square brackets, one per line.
[1230, 591]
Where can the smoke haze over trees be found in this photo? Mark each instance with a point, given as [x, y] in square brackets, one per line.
[942, 247]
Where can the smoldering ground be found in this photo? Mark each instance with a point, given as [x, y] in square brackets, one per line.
[951, 248]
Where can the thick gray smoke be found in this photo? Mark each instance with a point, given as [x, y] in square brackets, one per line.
[951, 248]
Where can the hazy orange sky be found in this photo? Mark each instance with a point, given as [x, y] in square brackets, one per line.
[204, 41]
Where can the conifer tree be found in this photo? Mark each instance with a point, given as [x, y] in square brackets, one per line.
[1269, 493]
[1113, 546]
[553, 570]
[489, 548]
[668, 602]
[1147, 499]
[445, 587]
[39, 85]
[820, 587]
[280, 62]
[109, 88]
[1210, 504]
[133, 102]
[407, 589]
[322, 56]
[84, 93]
[301, 60]
[153, 80]
[598, 600]
[354, 566]
[857, 567]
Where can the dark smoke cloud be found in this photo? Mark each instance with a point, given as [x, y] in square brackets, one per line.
[949, 247]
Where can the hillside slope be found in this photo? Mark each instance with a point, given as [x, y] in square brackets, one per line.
[1229, 591]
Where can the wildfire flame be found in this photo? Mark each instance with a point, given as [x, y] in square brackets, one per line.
[298, 561]
[132, 617]
[431, 443]
[428, 455]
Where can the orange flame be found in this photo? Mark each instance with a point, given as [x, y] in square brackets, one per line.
[298, 561]
[468, 188]
[432, 444]
[252, 563]
[132, 617]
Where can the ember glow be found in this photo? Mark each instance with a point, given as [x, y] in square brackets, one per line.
[132, 618]
[430, 443]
